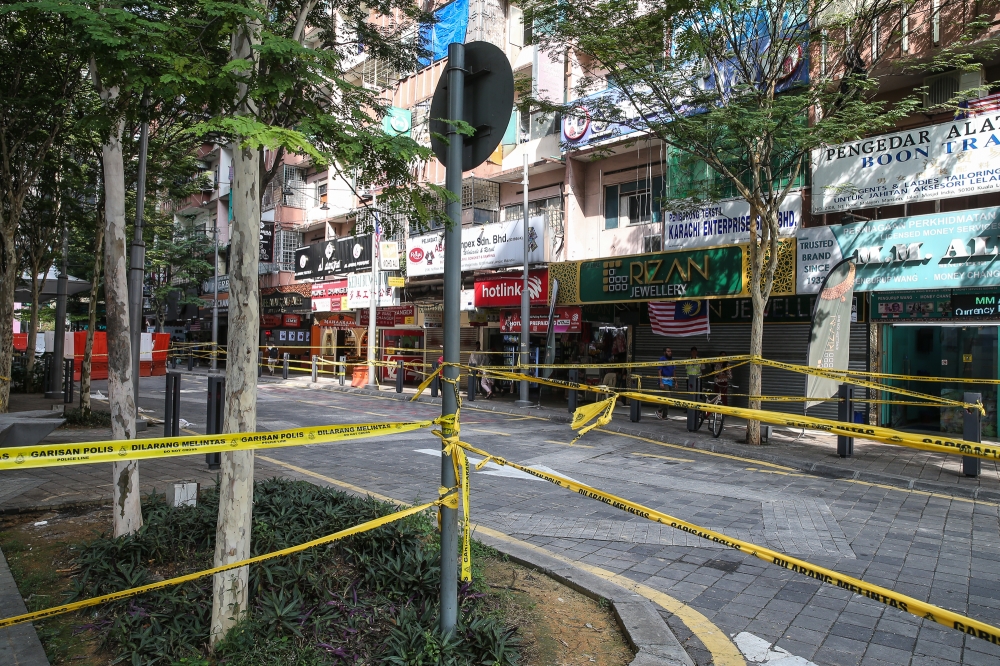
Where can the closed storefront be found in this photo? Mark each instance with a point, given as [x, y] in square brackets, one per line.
[786, 339]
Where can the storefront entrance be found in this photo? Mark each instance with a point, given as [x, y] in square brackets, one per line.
[953, 352]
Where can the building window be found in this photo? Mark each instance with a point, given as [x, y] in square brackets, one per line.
[637, 202]
[293, 187]
[285, 245]
[547, 208]
[321, 193]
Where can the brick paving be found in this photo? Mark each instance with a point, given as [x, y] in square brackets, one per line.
[931, 544]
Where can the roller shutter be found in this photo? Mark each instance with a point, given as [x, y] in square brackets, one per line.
[782, 342]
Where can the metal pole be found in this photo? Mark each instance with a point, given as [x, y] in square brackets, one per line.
[215, 302]
[137, 260]
[525, 298]
[56, 374]
[972, 431]
[372, 305]
[452, 332]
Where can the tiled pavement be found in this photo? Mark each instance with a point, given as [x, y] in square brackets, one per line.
[19, 645]
[928, 545]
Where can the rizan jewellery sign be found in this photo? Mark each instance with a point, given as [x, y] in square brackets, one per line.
[703, 273]
[934, 162]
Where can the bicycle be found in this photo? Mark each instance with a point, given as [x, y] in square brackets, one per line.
[715, 419]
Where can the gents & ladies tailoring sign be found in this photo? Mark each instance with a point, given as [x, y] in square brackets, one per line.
[947, 160]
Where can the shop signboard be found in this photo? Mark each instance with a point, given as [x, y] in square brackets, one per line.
[388, 317]
[580, 130]
[725, 223]
[266, 242]
[342, 256]
[359, 287]
[567, 319]
[388, 256]
[702, 273]
[289, 337]
[270, 320]
[484, 246]
[936, 251]
[973, 304]
[291, 320]
[505, 290]
[208, 286]
[952, 159]
[278, 303]
[329, 289]
[779, 310]
[338, 320]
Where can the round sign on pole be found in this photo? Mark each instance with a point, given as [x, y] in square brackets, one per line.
[488, 100]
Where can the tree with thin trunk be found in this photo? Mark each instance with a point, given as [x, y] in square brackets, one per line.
[86, 364]
[740, 93]
[41, 74]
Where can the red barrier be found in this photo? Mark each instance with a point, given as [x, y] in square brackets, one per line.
[99, 355]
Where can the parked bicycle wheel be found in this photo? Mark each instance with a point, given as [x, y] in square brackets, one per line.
[715, 423]
[699, 419]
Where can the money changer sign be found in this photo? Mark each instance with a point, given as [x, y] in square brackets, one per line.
[704, 273]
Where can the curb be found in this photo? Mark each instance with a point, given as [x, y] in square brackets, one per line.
[820, 469]
[644, 628]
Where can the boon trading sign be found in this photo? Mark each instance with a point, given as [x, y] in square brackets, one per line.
[938, 251]
[948, 160]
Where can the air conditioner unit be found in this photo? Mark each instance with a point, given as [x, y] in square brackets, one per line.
[942, 88]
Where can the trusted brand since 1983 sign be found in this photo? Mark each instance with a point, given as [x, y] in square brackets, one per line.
[703, 273]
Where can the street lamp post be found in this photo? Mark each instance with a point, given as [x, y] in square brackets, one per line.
[525, 298]
[215, 302]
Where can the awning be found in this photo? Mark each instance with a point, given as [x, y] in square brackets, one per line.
[49, 286]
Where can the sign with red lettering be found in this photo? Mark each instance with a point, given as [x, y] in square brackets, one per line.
[331, 288]
[505, 291]
[338, 320]
[270, 320]
[396, 315]
[567, 319]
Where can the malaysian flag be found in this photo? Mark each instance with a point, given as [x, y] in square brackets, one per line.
[679, 318]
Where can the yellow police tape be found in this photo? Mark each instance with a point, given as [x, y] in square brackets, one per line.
[124, 594]
[53, 455]
[936, 444]
[875, 592]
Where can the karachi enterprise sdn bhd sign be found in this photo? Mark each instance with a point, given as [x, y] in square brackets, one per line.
[701, 273]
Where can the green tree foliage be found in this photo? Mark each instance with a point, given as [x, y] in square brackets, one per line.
[746, 89]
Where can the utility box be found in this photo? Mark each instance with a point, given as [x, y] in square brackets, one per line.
[182, 493]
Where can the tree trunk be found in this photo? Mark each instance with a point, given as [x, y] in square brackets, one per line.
[29, 362]
[125, 473]
[756, 348]
[232, 536]
[88, 350]
[8, 282]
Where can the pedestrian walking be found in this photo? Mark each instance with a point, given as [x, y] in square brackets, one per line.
[272, 357]
[723, 375]
[693, 371]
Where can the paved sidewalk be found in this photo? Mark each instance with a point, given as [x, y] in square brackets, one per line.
[19, 645]
[806, 451]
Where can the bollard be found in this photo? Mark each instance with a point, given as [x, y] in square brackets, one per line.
[315, 369]
[845, 412]
[69, 367]
[694, 386]
[400, 373]
[471, 392]
[342, 369]
[216, 410]
[574, 378]
[172, 409]
[435, 382]
[190, 362]
[260, 364]
[635, 406]
[972, 431]
[284, 367]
